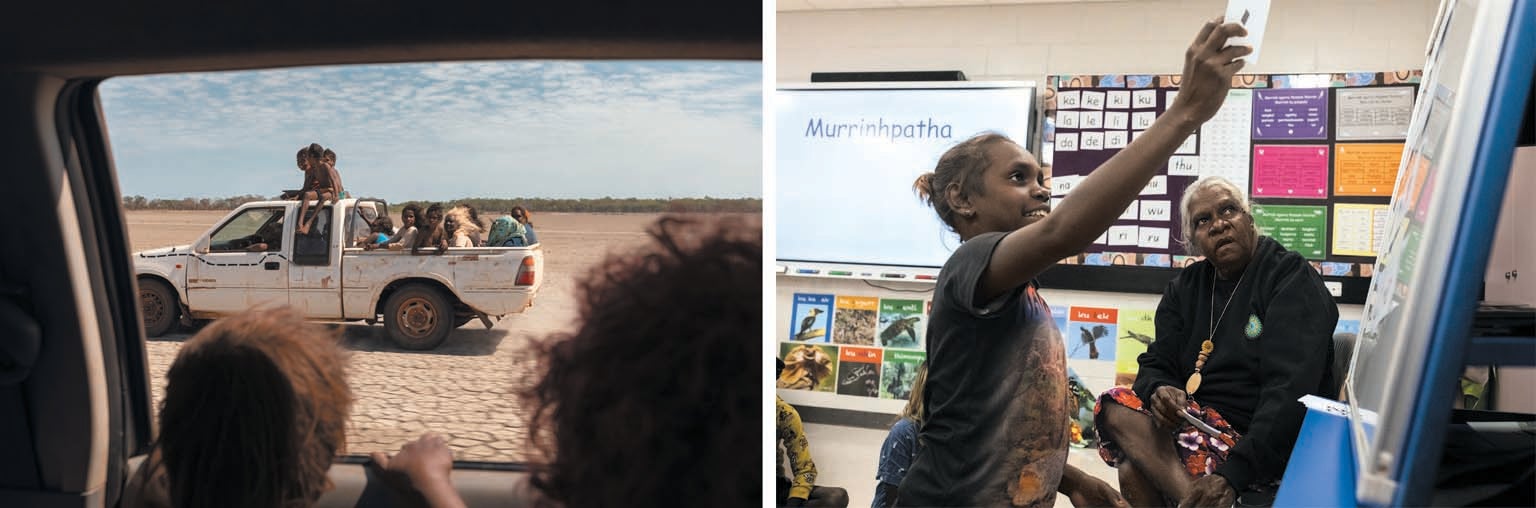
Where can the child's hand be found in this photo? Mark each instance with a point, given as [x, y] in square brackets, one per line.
[421, 470]
[1208, 71]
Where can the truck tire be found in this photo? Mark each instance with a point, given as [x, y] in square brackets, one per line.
[418, 317]
[158, 307]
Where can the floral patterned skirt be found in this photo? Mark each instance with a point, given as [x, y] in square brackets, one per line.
[1201, 452]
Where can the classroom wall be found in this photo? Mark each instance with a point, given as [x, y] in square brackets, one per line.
[1029, 42]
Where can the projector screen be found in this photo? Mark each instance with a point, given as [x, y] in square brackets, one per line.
[847, 158]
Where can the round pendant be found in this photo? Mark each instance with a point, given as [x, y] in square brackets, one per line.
[1193, 384]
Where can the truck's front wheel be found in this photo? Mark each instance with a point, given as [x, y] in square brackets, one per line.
[158, 306]
[417, 317]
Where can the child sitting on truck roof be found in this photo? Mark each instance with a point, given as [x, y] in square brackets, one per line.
[321, 183]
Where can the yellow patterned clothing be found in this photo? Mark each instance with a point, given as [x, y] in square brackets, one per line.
[791, 436]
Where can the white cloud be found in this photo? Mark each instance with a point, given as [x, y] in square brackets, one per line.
[447, 130]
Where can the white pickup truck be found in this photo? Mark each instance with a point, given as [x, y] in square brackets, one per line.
[254, 257]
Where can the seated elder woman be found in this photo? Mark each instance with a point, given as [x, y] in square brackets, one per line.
[1240, 336]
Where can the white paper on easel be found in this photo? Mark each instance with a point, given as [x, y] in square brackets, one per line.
[1252, 14]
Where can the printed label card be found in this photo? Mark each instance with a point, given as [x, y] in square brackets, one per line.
[1131, 212]
[859, 372]
[810, 317]
[1153, 238]
[1355, 229]
[1158, 186]
[1299, 228]
[1067, 119]
[1365, 169]
[1138, 329]
[1188, 146]
[1140, 120]
[1117, 120]
[1253, 15]
[1144, 99]
[1156, 211]
[1224, 142]
[1069, 99]
[1062, 185]
[1290, 113]
[1119, 99]
[1092, 120]
[1123, 236]
[898, 373]
[1116, 139]
[854, 321]
[1066, 142]
[1374, 113]
[1184, 165]
[1092, 141]
[1093, 100]
[902, 324]
[1091, 333]
[810, 367]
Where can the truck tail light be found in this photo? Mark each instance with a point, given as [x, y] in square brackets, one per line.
[525, 273]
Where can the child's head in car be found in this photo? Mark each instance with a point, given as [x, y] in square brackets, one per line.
[695, 418]
[255, 409]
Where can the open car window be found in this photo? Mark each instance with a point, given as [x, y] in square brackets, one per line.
[595, 151]
[253, 226]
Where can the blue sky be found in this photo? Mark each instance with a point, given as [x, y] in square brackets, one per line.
[551, 129]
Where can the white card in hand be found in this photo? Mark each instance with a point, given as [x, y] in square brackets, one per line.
[1252, 14]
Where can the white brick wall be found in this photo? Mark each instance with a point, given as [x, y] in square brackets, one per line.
[1029, 42]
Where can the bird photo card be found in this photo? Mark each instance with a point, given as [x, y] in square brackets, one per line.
[902, 323]
[811, 318]
[1137, 331]
[1091, 333]
[854, 322]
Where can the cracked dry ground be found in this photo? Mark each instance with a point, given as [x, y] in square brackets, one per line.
[466, 388]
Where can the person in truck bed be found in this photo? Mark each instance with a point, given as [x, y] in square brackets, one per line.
[462, 228]
[406, 236]
[429, 232]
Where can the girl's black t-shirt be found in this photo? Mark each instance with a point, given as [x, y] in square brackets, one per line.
[996, 429]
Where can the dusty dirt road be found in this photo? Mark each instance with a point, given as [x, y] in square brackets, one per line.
[464, 389]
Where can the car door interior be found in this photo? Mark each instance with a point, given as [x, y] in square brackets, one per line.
[75, 405]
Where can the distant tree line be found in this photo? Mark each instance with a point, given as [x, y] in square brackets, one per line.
[535, 205]
[229, 203]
